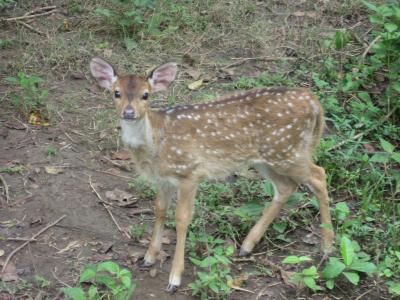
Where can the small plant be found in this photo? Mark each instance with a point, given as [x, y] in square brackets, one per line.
[51, 150]
[350, 265]
[42, 282]
[142, 188]
[103, 281]
[12, 170]
[306, 277]
[30, 98]
[138, 230]
[388, 269]
[213, 283]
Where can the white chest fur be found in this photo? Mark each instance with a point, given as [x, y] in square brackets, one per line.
[135, 134]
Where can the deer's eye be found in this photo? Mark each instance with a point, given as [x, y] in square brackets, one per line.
[145, 96]
[117, 94]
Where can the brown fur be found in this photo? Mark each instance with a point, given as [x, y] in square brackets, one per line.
[275, 130]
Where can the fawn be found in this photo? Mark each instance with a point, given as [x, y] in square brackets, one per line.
[274, 130]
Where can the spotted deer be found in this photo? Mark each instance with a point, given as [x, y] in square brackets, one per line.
[274, 130]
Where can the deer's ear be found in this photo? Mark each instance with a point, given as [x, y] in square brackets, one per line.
[103, 72]
[161, 77]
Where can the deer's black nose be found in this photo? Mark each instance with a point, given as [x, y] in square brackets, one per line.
[129, 113]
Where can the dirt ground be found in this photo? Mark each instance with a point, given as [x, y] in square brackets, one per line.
[84, 133]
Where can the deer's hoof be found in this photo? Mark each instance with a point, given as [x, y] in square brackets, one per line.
[172, 288]
[244, 253]
[145, 264]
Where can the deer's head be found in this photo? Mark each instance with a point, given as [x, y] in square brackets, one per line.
[131, 93]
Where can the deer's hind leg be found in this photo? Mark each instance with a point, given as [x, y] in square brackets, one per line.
[317, 184]
[283, 187]
[314, 178]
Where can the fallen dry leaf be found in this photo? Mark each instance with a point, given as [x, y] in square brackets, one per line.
[123, 198]
[139, 211]
[122, 155]
[194, 73]
[10, 272]
[2, 252]
[53, 170]
[135, 256]
[15, 125]
[195, 85]
[37, 119]
[78, 76]
[238, 281]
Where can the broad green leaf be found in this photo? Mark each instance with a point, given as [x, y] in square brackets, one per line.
[396, 157]
[292, 259]
[74, 293]
[130, 44]
[341, 39]
[126, 281]
[333, 268]
[388, 147]
[347, 250]
[365, 267]
[364, 96]
[107, 281]
[109, 266]
[391, 27]
[330, 284]
[370, 6]
[103, 11]
[93, 293]
[342, 210]
[310, 282]
[280, 226]
[88, 274]
[229, 251]
[311, 271]
[379, 158]
[352, 277]
[394, 288]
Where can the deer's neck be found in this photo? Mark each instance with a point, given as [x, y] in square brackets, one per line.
[142, 134]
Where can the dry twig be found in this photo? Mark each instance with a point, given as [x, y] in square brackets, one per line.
[18, 239]
[3, 181]
[32, 28]
[27, 242]
[31, 14]
[107, 209]
[370, 46]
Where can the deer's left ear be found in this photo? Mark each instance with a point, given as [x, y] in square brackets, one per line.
[162, 77]
[103, 72]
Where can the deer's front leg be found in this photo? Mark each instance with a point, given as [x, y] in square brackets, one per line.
[183, 216]
[165, 193]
